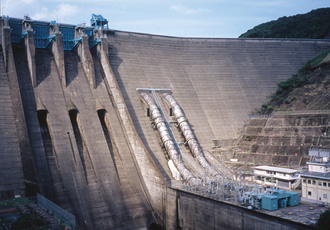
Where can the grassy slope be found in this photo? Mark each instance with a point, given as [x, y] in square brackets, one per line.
[309, 89]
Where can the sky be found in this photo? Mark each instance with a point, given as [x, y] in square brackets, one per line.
[181, 18]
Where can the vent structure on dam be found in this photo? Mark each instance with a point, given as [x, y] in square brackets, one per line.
[75, 128]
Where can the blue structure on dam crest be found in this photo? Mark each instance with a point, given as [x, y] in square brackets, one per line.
[44, 31]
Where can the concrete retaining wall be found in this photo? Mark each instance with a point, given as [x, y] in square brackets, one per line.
[196, 212]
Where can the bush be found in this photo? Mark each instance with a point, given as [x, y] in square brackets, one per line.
[324, 222]
[28, 221]
[264, 106]
[14, 202]
[314, 62]
[285, 85]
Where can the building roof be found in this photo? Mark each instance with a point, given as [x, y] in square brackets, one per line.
[319, 149]
[317, 175]
[275, 169]
[318, 163]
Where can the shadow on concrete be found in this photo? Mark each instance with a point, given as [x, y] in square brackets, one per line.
[43, 65]
[116, 212]
[99, 74]
[71, 66]
[32, 123]
[102, 114]
[117, 60]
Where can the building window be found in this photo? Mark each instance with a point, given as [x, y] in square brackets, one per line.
[309, 182]
[309, 193]
[304, 181]
[325, 196]
[314, 182]
[328, 184]
[325, 184]
[319, 183]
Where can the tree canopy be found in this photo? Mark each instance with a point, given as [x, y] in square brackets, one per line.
[324, 221]
[315, 25]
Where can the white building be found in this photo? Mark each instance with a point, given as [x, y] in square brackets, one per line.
[275, 176]
[319, 152]
[316, 182]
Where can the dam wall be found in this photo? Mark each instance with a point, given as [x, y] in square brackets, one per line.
[75, 141]
[78, 132]
[218, 82]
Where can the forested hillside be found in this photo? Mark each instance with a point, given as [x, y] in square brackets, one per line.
[315, 24]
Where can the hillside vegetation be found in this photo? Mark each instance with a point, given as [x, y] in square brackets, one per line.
[308, 89]
[315, 24]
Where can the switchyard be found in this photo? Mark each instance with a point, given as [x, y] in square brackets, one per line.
[116, 127]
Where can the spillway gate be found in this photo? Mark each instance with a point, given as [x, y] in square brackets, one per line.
[44, 32]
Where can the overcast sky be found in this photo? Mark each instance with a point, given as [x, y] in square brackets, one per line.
[184, 18]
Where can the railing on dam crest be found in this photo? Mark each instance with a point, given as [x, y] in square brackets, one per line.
[44, 32]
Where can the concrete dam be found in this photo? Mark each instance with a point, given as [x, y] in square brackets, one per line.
[76, 128]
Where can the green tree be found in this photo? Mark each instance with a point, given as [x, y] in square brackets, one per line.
[324, 222]
[28, 221]
[315, 24]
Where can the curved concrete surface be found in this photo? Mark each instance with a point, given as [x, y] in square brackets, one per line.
[217, 82]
